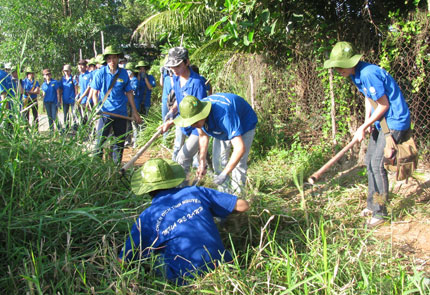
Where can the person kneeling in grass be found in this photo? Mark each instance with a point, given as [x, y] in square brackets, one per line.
[231, 121]
[179, 225]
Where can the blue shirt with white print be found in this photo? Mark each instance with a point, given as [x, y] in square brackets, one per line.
[374, 82]
[230, 116]
[179, 227]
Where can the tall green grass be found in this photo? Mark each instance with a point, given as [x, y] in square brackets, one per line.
[65, 214]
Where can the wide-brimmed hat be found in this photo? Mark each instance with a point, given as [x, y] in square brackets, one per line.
[82, 62]
[176, 56]
[46, 71]
[67, 68]
[92, 61]
[131, 66]
[343, 55]
[192, 110]
[142, 63]
[112, 49]
[157, 174]
[28, 70]
[100, 59]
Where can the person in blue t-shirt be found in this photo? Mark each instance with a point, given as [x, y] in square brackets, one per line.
[5, 88]
[84, 80]
[51, 98]
[31, 90]
[113, 106]
[149, 84]
[134, 82]
[378, 85]
[231, 121]
[185, 82]
[178, 227]
[208, 86]
[68, 90]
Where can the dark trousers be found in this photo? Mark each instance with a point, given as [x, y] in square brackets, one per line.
[377, 197]
[119, 128]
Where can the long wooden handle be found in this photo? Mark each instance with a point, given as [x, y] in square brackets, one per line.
[140, 152]
[314, 177]
[118, 116]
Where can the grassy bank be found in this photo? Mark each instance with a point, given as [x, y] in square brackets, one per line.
[65, 214]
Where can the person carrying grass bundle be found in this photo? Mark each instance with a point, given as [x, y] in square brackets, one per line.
[31, 90]
[378, 85]
[115, 90]
[178, 227]
[231, 121]
[51, 98]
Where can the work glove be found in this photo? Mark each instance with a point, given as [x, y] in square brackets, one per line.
[220, 179]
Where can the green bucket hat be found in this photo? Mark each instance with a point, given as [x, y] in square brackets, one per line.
[99, 59]
[141, 63]
[343, 56]
[192, 110]
[131, 66]
[112, 50]
[29, 70]
[157, 174]
[92, 61]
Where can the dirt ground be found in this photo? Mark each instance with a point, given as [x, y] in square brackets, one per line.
[411, 236]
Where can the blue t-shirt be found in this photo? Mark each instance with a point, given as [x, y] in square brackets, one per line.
[28, 85]
[134, 83]
[141, 92]
[151, 80]
[195, 87]
[230, 116]
[117, 100]
[84, 82]
[207, 85]
[167, 86]
[50, 90]
[5, 83]
[68, 87]
[179, 226]
[374, 82]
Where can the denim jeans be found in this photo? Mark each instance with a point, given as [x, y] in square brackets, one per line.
[220, 155]
[187, 152]
[179, 142]
[119, 128]
[51, 111]
[377, 197]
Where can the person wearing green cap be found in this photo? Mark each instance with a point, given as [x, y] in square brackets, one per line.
[231, 121]
[31, 90]
[179, 224]
[378, 85]
[115, 91]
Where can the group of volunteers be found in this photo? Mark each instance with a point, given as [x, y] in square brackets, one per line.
[178, 227]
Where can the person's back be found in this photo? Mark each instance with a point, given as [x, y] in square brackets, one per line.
[179, 225]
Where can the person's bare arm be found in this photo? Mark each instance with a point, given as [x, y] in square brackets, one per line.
[381, 109]
[203, 149]
[241, 206]
[238, 151]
